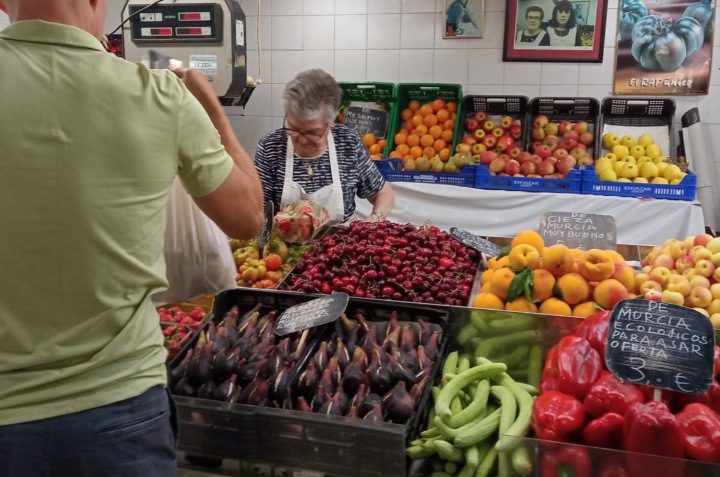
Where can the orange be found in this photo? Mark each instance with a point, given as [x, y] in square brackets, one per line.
[375, 149]
[416, 120]
[403, 149]
[407, 157]
[529, 237]
[449, 124]
[425, 110]
[396, 155]
[439, 145]
[436, 131]
[443, 115]
[438, 104]
[414, 105]
[406, 114]
[488, 300]
[444, 155]
[413, 140]
[375, 157]
[427, 140]
[430, 120]
[453, 116]
[421, 130]
[382, 143]
[416, 151]
[452, 106]
[409, 125]
[447, 136]
[553, 306]
[400, 138]
[429, 152]
[369, 139]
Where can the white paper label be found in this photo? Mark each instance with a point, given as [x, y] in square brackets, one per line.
[206, 63]
[239, 33]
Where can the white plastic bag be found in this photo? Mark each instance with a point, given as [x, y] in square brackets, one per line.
[197, 253]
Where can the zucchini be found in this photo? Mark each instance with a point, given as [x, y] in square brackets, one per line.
[479, 431]
[448, 393]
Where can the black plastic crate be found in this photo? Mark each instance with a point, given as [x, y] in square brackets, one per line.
[565, 109]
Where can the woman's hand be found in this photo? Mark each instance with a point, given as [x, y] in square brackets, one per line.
[376, 217]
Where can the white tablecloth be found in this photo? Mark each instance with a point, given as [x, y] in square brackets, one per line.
[500, 213]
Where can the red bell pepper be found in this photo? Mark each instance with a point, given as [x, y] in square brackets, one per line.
[710, 398]
[595, 328]
[556, 416]
[549, 378]
[608, 394]
[650, 428]
[613, 469]
[605, 431]
[565, 461]
[578, 366]
[700, 427]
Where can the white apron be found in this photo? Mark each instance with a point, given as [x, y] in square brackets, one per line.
[330, 196]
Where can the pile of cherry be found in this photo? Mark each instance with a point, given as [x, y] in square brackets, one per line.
[388, 260]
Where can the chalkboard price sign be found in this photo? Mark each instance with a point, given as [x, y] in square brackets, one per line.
[312, 313]
[266, 231]
[472, 240]
[366, 120]
[661, 345]
[576, 230]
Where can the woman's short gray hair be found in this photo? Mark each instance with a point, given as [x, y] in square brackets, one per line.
[312, 93]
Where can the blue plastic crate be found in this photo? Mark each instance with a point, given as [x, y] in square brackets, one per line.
[683, 191]
[390, 170]
[569, 185]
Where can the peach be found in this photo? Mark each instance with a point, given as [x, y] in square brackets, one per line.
[699, 297]
[521, 304]
[715, 320]
[596, 266]
[524, 255]
[555, 306]
[716, 275]
[716, 259]
[557, 259]
[543, 283]
[678, 249]
[705, 268]
[500, 282]
[680, 284]
[641, 278]
[653, 295]
[703, 239]
[699, 281]
[650, 285]
[690, 240]
[573, 288]
[703, 311]
[529, 237]
[489, 301]
[713, 245]
[715, 290]
[486, 276]
[674, 298]
[698, 252]
[609, 292]
[584, 309]
[616, 257]
[625, 275]
[690, 272]
[664, 260]
[485, 288]
[683, 263]
[660, 275]
[714, 306]
[647, 269]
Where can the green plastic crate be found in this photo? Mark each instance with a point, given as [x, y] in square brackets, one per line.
[424, 92]
[370, 92]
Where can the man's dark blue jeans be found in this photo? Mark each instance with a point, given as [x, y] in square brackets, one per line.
[131, 438]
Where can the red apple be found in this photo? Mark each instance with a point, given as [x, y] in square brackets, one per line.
[585, 161]
[540, 121]
[564, 127]
[568, 144]
[489, 141]
[537, 160]
[586, 138]
[582, 146]
[551, 142]
[504, 157]
[546, 168]
[472, 125]
[516, 131]
[552, 160]
[565, 164]
[581, 127]
[480, 117]
[551, 129]
[514, 151]
[470, 140]
[512, 167]
[527, 168]
[462, 148]
[543, 151]
[571, 134]
[560, 152]
[506, 122]
[537, 134]
[524, 156]
[535, 176]
[487, 157]
[478, 148]
[488, 126]
[535, 145]
[499, 132]
[479, 134]
[497, 166]
[504, 142]
[577, 153]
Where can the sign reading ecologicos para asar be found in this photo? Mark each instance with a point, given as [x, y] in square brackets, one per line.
[664, 47]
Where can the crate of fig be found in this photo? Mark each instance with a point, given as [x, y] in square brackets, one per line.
[322, 399]
[391, 261]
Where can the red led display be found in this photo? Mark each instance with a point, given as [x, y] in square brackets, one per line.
[190, 31]
[189, 16]
[161, 31]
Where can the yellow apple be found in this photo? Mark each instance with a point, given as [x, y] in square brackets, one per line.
[649, 170]
[645, 140]
[660, 180]
[629, 171]
[608, 175]
[609, 140]
[715, 320]
[620, 151]
[627, 141]
[637, 151]
[653, 151]
[640, 180]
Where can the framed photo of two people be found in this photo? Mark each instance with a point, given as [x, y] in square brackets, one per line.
[555, 30]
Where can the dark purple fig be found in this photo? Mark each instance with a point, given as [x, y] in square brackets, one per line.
[250, 371]
[332, 341]
[275, 362]
[279, 382]
[333, 407]
[246, 344]
[232, 334]
[199, 369]
[370, 339]
[266, 326]
[399, 404]
[355, 372]
[409, 360]
[219, 363]
[359, 396]
[211, 331]
[392, 325]
[183, 388]
[326, 382]
[207, 390]
[299, 346]
[424, 334]
[364, 326]
[424, 363]
[254, 392]
[417, 390]
[422, 374]
[375, 414]
[398, 372]
[302, 405]
[283, 348]
[179, 371]
[392, 342]
[235, 396]
[220, 343]
[353, 412]
[225, 389]
[368, 404]
[335, 371]
[321, 357]
[320, 398]
[350, 333]
[431, 347]
[408, 339]
[251, 315]
[231, 317]
[381, 381]
[307, 381]
[344, 401]
[341, 353]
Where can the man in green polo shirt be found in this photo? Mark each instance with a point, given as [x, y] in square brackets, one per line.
[89, 147]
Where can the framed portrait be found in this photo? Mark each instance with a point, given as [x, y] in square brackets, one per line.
[464, 19]
[570, 31]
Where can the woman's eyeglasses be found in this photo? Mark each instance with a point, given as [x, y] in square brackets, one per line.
[308, 136]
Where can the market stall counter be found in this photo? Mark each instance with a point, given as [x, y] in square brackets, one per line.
[505, 213]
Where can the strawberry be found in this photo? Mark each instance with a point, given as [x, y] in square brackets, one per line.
[168, 331]
[175, 310]
[187, 320]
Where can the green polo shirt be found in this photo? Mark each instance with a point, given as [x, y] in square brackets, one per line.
[89, 147]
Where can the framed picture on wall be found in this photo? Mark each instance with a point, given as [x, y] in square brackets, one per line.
[464, 19]
[555, 30]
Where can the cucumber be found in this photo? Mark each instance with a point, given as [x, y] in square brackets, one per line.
[467, 471]
[430, 432]
[487, 464]
[418, 452]
[476, 406]
[449, 452]
[451, 467]
[479, 431]
[472, 457]
[514, 359]
[466, 334]
[450, 365]
[491, 346]
[463, 364]
[535, 364]
[521, 462]
[456, 406]
[508, 407]
[512, 324]
[529, 388]
[448, 393]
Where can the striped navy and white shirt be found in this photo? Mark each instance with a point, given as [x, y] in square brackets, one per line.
[358, 174]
